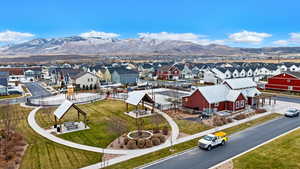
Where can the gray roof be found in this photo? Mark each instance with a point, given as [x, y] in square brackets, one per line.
[296, 74]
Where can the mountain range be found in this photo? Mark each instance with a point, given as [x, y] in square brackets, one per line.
[139, 46]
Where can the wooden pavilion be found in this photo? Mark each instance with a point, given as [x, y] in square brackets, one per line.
[60, 112]
[137, 98]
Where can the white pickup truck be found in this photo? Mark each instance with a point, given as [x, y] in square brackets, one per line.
[212, 140]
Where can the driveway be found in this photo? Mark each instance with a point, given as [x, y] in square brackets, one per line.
[238, 143]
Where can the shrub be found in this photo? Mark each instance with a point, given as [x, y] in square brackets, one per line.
[155, 141]
[126, 139]
[258, 111]
[18, 161]
[229, 120]
[162, 138]
[131, 144]
[122, 146]
[223, 120]
[16, 149]
[148, 143]
[9, 156]
[240, 117]
[141, 143]
[155, 130]
[165, 130]
[217, 121]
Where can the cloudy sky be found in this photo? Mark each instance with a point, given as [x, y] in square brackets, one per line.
[246, 23]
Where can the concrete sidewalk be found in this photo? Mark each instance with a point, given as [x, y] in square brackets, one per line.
[33, 124]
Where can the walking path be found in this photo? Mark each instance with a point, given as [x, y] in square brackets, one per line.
[33, 124]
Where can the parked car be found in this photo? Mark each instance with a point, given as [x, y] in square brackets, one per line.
[212, 140]
[292, 113]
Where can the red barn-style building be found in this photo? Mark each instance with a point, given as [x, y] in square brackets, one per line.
[215, 98]
[286, 81]
[232, 95]
[247, 86]
[168, 73]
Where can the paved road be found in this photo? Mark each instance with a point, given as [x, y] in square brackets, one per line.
[288, 99]
[36, 90]
[238, 143]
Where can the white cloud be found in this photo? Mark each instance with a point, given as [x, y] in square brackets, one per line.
[293, 40]
[189, 37]
[281, 42]
[248, 37]
[14, 37]
[99, 34]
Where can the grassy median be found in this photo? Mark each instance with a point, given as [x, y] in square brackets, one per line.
[138, 161]
[10, 96]
[191, 127]
[282, 153]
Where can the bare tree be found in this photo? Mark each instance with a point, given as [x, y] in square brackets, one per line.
[9, 122]
[156, 120]
[119, 126]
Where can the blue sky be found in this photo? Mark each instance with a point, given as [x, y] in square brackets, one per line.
[247, 23]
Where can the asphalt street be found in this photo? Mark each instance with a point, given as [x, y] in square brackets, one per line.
[288, 99]
[36, 90]
[238, 143]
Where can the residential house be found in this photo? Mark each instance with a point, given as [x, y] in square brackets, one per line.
[168, 73]
[185, 71]
[146, 70]
[124, 76]
[4, 83]
[85, 80]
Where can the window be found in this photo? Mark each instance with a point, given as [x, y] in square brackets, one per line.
[237, 105]
[288, 80]
[242, 103]
[88, 80]
[186, 99]
[91, 79]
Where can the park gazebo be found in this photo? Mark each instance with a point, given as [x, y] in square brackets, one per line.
[60, 112]
[140, 99]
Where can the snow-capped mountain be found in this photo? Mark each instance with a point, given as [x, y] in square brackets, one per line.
[95, 46]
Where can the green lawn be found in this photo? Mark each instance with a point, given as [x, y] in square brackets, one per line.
[191, 127]
[135, 162]
[10, 96]
[44, 154]
[100, 114]
[251, 123]
[282, 153]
